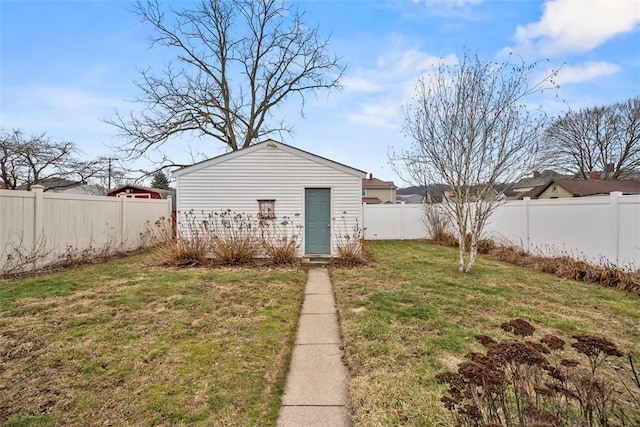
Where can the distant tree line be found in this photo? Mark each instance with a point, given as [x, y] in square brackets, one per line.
[37, 159]
[604, 139]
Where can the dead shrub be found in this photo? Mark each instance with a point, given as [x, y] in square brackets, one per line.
[445, 239]
[189, 246]
[281, 239]
[436, 220]
[526, 382]
[563, 266]
[233, 237]
[350, 245]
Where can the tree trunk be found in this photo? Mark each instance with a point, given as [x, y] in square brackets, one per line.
[473, 251]
[462, 248]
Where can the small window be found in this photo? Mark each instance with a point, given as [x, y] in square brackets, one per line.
[266, 209]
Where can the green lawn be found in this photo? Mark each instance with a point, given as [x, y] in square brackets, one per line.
[128, 343]
[410, 315]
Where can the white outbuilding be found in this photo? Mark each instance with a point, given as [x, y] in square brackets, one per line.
[274, 180]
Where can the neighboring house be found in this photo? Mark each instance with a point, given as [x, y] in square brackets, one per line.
[79, 189]
[275, 180]
[140, 192]
[474, 194]
[561, 188]
[376, 191]
[538, 179]
[410, 198]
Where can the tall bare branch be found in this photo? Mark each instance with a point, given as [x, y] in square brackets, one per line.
[235, 61]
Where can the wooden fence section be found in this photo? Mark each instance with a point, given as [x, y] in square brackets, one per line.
[37, 229]
[603, 229]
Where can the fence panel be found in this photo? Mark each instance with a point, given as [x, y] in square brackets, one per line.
[39, 228]
[399, 221]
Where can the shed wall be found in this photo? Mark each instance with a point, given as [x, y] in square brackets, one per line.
[270, 174]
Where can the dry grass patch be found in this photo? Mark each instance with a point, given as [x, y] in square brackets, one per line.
[125, 343]
[410, 314]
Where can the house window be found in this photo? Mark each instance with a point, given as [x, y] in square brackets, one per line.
[266, 209]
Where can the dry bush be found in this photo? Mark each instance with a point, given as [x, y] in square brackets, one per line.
[349, 243]
[281, 239]
[526, 382]
[189, 246]
[607, 275]
[445, 239]
[234, 237]
[436, 220]
[229, 238]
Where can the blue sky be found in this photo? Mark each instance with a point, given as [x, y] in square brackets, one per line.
[65, 65]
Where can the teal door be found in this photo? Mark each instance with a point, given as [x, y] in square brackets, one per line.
[317, 224]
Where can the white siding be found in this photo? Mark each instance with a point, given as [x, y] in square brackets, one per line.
[267, 172]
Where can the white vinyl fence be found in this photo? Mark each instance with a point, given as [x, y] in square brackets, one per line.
[597, 229]
[602, 229]
[37, 229]
[391, 222]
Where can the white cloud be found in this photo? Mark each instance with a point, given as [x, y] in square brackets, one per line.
[578, 26]
[585, 72]
[378, 92]
[449, 3]
[360, 83]
[383, 113]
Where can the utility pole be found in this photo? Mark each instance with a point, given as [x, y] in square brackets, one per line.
[109, 174]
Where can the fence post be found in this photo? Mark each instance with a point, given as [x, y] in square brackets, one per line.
[364, 227]
[526, 225]
[38, 221]
[403, 221]
[123, 222]
[614, 206]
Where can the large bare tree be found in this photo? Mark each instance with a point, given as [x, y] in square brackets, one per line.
[235, 62]
[470, 129]
[603, 139]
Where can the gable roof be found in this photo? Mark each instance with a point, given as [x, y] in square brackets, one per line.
[269, 144]
[371, 200]
[163, 193]
[542, 178]
[588, 187]
[377, 183]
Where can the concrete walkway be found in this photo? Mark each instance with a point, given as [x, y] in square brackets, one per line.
[316, 389]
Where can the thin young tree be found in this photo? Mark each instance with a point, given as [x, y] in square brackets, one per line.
[235, 62]
[603, 139]
[470, 129]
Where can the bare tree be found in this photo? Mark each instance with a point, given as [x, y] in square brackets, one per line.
[470, 130]
[602, 139]
[11, 163]
[27, 160]
[236, 60]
